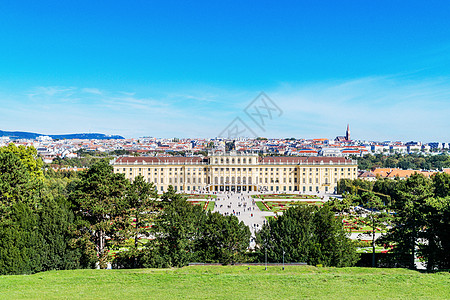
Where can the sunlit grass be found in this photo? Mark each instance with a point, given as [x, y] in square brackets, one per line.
[229, 282]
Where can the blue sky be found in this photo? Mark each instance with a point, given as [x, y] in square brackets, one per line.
[188, 68]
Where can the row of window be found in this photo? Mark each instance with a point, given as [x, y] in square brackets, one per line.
[239, 169]
[271, 188]
[233, 160]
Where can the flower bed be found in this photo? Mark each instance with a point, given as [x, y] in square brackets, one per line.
[284, 196]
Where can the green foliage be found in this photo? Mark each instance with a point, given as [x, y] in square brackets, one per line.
[307, 234]
[34, 239]
[177, 229]
[441, 184]
[352, 186]
[16, 185]
[421, 222]
[223, 239]
[141, 197]
[29, 158]
[376, 216]
[404, 161]
[100, 201]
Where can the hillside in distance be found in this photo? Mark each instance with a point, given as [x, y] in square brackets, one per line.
[31, 135]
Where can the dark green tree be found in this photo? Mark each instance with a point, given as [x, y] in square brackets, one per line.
[441, 184]
[100, 202]
[16, 184]
[223, 239]
[307, 234]
[375, 215]
[408, 219]
[141, 197]
[435, 233]
[176, 230]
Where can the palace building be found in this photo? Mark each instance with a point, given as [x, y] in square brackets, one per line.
[239, 172]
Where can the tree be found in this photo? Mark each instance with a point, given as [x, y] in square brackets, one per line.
[28, 156]
[223, 239]
[408, 219]
[176, 230]
[35, 228]
[141, 197]
[307, 234]
[441, 184]
[16, 185]
[436, 233]
[100, 201]
[375, 215]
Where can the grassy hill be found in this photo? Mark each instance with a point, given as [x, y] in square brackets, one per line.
[229, 282]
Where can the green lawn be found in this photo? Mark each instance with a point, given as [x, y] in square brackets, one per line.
[229, 282]
[210, 206]
[284, 205]
[202, 203]
[261, 205]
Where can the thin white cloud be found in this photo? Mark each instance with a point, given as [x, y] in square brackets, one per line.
[378, 108]
[92, 91]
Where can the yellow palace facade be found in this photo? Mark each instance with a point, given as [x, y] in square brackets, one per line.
[239, 172]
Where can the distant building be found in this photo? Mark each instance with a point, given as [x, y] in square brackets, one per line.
[239, 172]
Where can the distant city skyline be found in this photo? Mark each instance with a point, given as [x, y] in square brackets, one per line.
[174, 69]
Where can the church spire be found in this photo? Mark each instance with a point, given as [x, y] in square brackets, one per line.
[347, 134]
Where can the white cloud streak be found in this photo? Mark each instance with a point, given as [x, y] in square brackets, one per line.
[377, 108]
